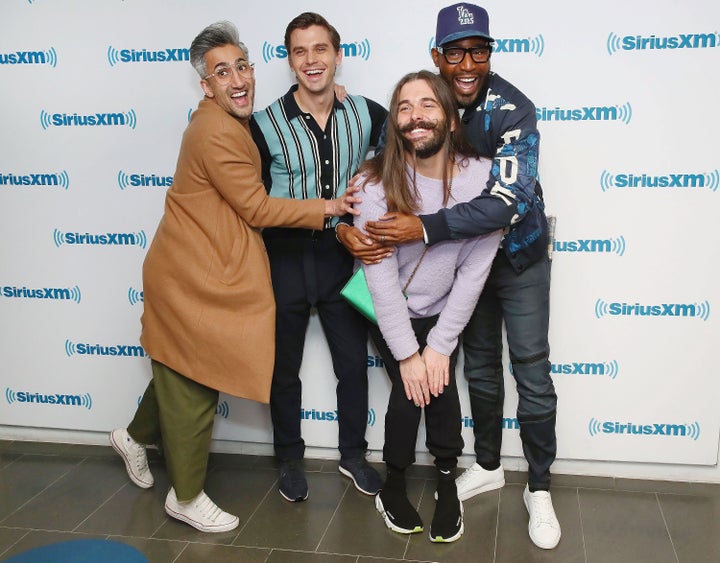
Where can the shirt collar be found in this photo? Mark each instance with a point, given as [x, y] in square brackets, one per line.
[293, 110]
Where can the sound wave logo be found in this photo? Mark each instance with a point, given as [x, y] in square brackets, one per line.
[675, 430]
[371, 417]
[135, 296]
[363, 49]
[699, 310]
[613, 43]
[45, 120]
[538, 45]
[625, 113]
[51, 57]
[106, 239]
[189, 114]
[618, 245]
[113, 55]
[223, 409]
[58, 399]
[641, 180]
[268, 53]
[123, 180]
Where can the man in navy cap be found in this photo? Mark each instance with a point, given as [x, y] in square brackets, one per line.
[500, 122]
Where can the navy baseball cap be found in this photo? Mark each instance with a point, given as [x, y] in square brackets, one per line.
[460, 21]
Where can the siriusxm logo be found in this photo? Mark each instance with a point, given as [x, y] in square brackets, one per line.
[119, 119]
[672, 430]
[641, 43]
[615, 309]
[50, 293]
[105, 239]
[27, 397]
[223, 409]
[641, 180]
[507, 423]
[608, 246]
[120, 350]
[135, 296]
[609, 369]
[330, 416]
[117, 56]
[48, 57]
[589, 113]
[357, 49]
[375, 362]
[36, 179]
[137, 180]
[528, 46]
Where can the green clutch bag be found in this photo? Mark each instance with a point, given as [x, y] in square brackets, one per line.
[356, 292]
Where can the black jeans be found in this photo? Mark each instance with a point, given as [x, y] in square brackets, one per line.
[309, 268]
[442, 416]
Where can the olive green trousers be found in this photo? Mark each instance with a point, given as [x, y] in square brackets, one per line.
[177, 414]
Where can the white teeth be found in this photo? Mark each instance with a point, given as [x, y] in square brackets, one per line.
[314, 72]
[239, 95]
[466, 80]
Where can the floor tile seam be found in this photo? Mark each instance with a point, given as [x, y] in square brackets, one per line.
[497, 528]
[667, 528]
[582, 527]
[255, 510]
[36, 495]
[103, 503]
[337, 507]
[17, 541]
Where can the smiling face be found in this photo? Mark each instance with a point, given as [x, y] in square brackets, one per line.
[421, 120]
[466, 77]
[238, 95]
[313, 59]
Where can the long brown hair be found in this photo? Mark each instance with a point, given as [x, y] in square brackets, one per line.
[390, 165]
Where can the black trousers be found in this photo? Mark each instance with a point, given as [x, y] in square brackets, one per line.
[443, 423]
[309, 268]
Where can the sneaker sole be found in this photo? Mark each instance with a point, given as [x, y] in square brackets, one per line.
[128, 467]
[198, 526]
[287, 498]
[479, 490]
[350, 475]
[440, 539]
[389, 523]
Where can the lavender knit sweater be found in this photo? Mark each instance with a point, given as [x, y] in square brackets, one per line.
[449, 279]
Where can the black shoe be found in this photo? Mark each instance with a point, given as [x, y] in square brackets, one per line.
[447, 523]
[293, 485]
[398, 513]
[367, 480]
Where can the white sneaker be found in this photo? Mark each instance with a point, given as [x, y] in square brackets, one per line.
[543, 527]
[475, 480]
[201, 513]
[134, 456]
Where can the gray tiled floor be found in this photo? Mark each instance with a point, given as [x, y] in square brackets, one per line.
[55, 492]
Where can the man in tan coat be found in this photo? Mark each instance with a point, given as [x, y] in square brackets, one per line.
[209, 318]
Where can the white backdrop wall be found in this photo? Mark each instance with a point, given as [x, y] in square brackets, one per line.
[94, 98]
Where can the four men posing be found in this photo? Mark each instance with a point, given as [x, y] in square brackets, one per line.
[311, 144]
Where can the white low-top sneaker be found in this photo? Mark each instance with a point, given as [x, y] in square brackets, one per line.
[543, 527]
[134, 456]
[475, 480]
[201, 513]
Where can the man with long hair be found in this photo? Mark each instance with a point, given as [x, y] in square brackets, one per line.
[423, 297]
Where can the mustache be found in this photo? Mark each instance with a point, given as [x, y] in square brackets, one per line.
[418, 125]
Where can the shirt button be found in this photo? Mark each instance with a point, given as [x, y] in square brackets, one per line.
[327, 162]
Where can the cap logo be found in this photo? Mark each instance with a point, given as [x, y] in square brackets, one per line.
[465, 16]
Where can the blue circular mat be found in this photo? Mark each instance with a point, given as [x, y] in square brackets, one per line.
[81, 551]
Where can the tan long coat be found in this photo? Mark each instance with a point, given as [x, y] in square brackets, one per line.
[209, 308]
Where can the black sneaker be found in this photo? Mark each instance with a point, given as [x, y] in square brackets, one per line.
[293, 485]
[398, 513]
[447, 523]
[367, 480]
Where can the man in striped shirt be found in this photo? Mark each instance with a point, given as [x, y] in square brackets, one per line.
[311, 145]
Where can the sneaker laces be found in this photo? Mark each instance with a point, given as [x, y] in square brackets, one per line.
[207, 508]
[542, 509]
[138, 451]
[466, 475]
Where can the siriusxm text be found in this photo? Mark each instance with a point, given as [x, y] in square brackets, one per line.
[682, 41]
[61, 293]
[55, 399]
[148, 56]
[120, 350]
[39, 179]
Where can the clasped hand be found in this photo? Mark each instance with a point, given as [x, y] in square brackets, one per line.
[425, 375]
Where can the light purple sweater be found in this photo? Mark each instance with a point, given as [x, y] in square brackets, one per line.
[449, 279]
